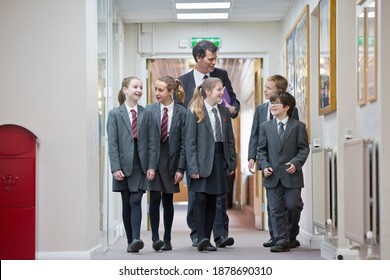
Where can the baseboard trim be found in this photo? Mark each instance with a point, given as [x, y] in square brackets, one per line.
[69, 255]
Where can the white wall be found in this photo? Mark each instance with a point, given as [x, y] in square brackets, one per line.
[383, 124]
[49, 86]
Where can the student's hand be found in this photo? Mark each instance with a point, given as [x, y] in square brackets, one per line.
[268, 171]
[178, 177]
[150, 174]
[195, 176]
[231, 108]
[118, 175]
[251, 166]
[291, 169]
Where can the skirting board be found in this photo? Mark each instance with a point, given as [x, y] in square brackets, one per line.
[70, 255]
[312, 241]
[328, 252]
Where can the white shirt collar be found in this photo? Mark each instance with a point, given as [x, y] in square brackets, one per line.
[209, 107]
[170, 107]
[128, 108]
[199, 77]
[284, 121]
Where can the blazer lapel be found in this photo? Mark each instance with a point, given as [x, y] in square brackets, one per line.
[157, 116]
[140, 116]
[174, 118]
[125, 116]
[208, 122]
[287, 131]
[223, 123]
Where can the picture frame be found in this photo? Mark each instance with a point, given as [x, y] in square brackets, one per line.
[361, 56]
[297, 65]
[371, 45]
[327, 56]
[366, 51]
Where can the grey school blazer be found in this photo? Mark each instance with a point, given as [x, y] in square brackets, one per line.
[121, 141]
[261, 115]
[176, 140]
[272, 152]
[200, 143]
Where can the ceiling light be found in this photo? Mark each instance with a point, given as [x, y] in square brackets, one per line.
[203, 16]
[209, 5]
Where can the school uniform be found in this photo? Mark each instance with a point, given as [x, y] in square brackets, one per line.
[171, 159]
[134, 156]
[284, 189]
[212, 160]
[190, 80]
[263, 114]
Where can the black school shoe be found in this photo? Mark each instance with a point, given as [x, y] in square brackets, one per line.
[167, 246]
[135, 246]
[224, 241]
[269, 243]
[293, 244]
[280, 248]
[157, 245]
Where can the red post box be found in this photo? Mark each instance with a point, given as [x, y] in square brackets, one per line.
[17, 193]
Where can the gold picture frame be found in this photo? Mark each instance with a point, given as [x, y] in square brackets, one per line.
[327, 56]
[297, 65]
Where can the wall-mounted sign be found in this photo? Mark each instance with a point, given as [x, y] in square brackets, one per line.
[215, 40]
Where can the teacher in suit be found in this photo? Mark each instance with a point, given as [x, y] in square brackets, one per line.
[282, 151]
[205, 55]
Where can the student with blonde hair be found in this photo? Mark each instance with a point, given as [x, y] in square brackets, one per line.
[210, 154]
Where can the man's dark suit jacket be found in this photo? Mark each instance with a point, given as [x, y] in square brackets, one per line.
[189, 87]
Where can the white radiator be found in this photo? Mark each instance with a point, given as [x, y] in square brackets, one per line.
[360, 195]
[324, 191]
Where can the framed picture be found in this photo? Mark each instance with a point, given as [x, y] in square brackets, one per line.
[366, 51]
[361, 56]
[327, 56]
[297, 65]
[371, 45]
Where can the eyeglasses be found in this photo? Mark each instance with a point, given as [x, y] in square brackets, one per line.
[275, 103]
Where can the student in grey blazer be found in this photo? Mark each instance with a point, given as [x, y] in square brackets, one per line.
[205, 55]
[133, 157]
[273, 84]
[169, 122]
[282, 151]
[210, 154]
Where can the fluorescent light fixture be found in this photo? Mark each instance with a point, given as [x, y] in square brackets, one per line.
[203, 16]
[209, 5]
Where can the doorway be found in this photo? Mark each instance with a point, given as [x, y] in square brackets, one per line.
[245, 75]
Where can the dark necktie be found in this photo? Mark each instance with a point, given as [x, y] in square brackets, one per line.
[205, 77]
[164, 126]
[134, 123]
[218, 131]
[281, 130]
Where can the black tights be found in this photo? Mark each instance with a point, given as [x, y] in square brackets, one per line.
[132, 214]
[154, 213]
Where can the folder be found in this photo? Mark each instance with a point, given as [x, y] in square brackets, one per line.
[225, 97]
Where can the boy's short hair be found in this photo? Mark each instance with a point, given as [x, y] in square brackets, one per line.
[281, 82]
[286, 99]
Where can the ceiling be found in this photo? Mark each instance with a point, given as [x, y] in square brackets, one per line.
[143, 11]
